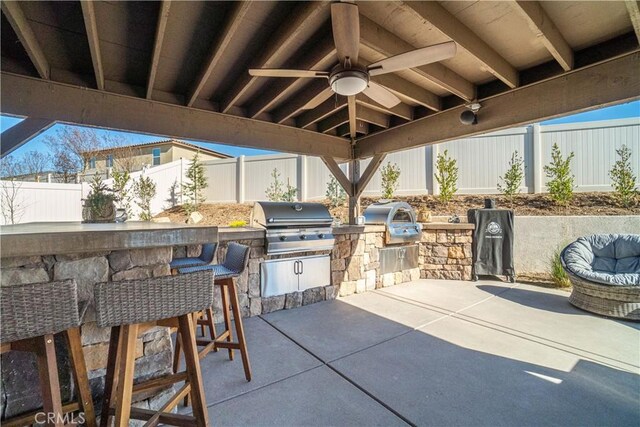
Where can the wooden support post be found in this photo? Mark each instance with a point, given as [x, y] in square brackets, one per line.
[354, 198]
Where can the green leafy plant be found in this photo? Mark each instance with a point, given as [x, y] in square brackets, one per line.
[278, 192]
[390, 174]
[124, 198]
[145, 190]
[623, 180]
[100, 199]
[193, 189]
[513, 177]
[335, 193]
[559, 277]
[446, 176]
[238, 224]
[561, 180]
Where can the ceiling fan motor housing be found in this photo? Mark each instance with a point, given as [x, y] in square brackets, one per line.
[350, 81]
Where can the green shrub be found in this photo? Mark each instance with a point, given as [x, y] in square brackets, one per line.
[278, 192]
[120, 189]
[447, 176]
[513, 178]
[559, 277]
[145, 190]
[390, 174]
[195, 185]
[335, 193]
[623, 180]
[561, 180]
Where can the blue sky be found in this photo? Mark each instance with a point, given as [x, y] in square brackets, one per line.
[628, 110]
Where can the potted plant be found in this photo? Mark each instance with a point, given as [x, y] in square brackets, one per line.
[99, 205]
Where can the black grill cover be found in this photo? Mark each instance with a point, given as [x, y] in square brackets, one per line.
[492, 241]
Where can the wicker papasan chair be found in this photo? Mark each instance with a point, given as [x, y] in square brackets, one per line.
[604, 270]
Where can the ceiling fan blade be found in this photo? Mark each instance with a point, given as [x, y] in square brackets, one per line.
[318, 99]
[414, 58]
[345, 22]
[277, 72]
[381, 95]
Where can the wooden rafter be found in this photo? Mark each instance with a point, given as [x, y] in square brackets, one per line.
[306, 95]
[279, 88]
[544, 28]
[379, 39]
[570, 92]
[324, 110]
[334, 121]
[633, 7]
[233, 25]
[163, 17]
[22, 28]
[409, 90]
[22, 132]
[372, 116]
[401, 110]
[362, 128]
[91, 26]
[22, 96]
[451, 27]
[278, 48]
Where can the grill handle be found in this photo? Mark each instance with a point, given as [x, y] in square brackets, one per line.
[299, 221]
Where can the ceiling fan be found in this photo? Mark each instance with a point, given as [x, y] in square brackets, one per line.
[348, 77]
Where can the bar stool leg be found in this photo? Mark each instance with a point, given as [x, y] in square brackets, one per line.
[237, 318]
[111, 378]
[80, 376]
[125, 374]
[226, 314]
[176, 353]
[212, 326]
[194, 375]
[48, 371]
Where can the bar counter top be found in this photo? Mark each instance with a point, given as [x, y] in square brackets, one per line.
[76, 237]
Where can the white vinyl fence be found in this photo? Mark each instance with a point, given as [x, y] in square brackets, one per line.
[481, 161]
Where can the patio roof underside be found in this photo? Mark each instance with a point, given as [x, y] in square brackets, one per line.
[179, 69]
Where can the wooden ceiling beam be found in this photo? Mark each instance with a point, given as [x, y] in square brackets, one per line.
[91, 26]
[362, 128]
[451, 27]
[322, 111]
[379, 39]
[232, 26]
[351, 108]
[401, 110]
[278, 48]
[161, 27]
[544, 28]
[23, 30]
[298, 102]
[574, 91]
[316, 58]
[409, 90]
[372, 116]
[633, 7]
[28, 96]
[332, 122]
[20, 133]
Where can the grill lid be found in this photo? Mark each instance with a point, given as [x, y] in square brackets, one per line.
[288, 214]
[387, 212]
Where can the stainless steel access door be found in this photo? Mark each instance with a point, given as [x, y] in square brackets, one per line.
[282, 276]
[399, 258]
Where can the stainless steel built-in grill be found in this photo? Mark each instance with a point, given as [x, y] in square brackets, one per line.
[399, 219]
[294, 227]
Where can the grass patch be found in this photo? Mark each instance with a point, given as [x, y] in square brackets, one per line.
[559, 277]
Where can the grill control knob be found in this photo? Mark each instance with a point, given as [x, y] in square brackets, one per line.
[283, 238]
[302, 237]
[320, 236]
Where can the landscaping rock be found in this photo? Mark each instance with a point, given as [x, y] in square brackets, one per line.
[195, 218]
[272, 304]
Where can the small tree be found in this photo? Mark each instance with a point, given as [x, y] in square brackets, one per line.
[195, 185]
[561, 180]
[390, 174]
[10, 203]
[278, 192]
[124, 198]
[335, 193]
[446, 176]
[145, 190]
[623, 180]
[512, 180]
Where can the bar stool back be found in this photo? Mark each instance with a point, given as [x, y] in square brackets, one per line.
[205, 258]
[30, 315]
[235, 263]
[129, 306]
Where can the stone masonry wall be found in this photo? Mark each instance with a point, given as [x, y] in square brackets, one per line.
[445, 254]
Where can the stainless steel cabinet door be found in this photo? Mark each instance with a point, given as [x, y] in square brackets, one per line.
[314, 271]
[278, 277]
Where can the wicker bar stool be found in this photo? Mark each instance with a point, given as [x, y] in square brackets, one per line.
[234, 265]
[130, 306]
[30, 316]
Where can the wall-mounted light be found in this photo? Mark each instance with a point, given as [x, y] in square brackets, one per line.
[470, 116]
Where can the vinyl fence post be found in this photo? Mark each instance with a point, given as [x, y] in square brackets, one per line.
[302, 178]
[435, 188]
[536, 167]
[241, 180]
[49, 178]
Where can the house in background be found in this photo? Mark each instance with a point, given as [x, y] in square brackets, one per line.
[136, 157]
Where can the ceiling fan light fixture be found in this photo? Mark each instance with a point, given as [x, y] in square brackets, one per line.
[349, 82]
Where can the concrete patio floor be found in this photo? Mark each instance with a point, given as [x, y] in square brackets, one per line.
[432, 353]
